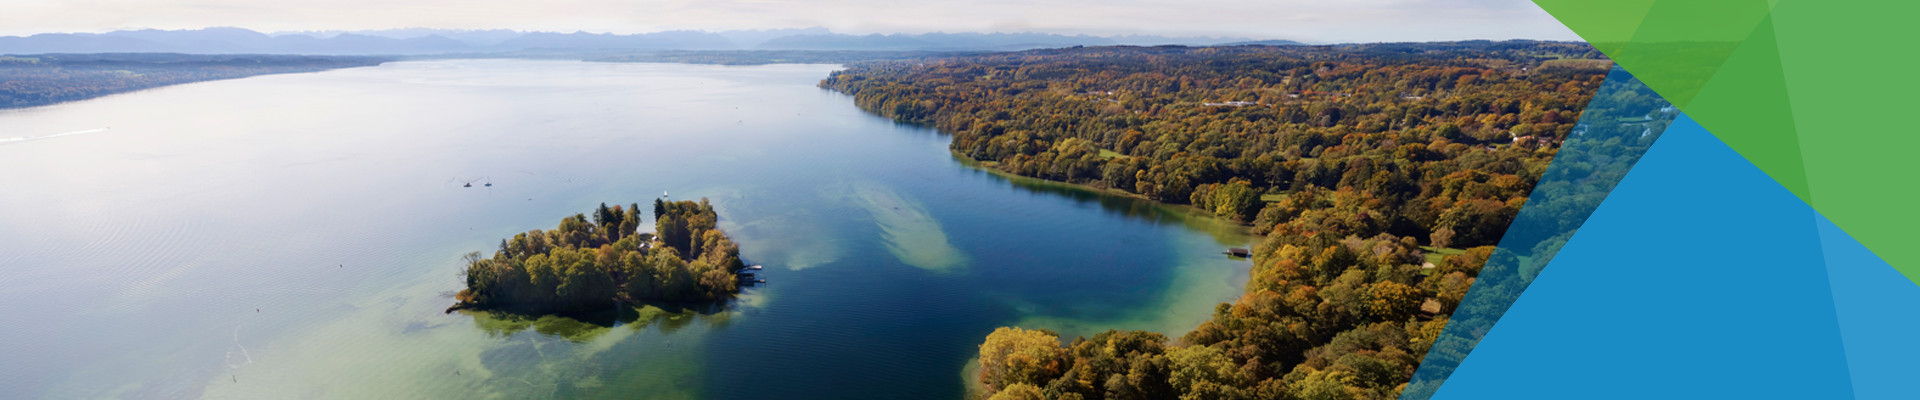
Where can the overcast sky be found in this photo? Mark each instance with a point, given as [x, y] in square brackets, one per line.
[1305, 20]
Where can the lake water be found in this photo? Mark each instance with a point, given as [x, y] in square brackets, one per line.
[298, 236]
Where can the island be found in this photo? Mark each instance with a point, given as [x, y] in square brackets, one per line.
[590, 264]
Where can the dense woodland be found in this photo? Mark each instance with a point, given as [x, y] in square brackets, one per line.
[759, 57]
[27, 81]
[591, 264]
[1428, 130]
[1347, 158]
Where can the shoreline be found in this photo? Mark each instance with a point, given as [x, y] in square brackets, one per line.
[1184, 209]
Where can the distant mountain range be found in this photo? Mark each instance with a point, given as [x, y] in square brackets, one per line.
[225, 41]
[472, 37]
[1264, 43]
[422, 41]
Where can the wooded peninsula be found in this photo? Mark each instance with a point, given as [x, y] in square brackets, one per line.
[1347, 158]
[37, 80]
[595, 264]
[763, 57]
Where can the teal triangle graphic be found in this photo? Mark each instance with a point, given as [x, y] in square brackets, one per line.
[1879, 312]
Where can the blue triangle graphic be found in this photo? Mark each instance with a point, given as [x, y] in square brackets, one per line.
[1698, 277]
[1597, 153]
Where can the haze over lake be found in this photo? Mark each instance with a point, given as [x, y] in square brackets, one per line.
[298, 236]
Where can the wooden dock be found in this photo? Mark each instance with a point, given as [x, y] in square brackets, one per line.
[746, 277]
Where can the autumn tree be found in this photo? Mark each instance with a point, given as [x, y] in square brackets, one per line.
[1013, 356]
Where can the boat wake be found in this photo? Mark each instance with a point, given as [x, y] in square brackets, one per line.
[28, 138]
[243, 350]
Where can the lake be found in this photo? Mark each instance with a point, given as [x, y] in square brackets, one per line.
[298, 237]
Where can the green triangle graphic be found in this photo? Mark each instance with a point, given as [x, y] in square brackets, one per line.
[1608, 25]
[1681, 50]
[1810, 92]
[1752, 88]
[1852, 101]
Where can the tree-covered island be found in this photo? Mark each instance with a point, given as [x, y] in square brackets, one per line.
[595, 263]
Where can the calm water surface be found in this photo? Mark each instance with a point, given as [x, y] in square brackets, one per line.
[298, 236]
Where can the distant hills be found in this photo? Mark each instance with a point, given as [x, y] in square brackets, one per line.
[747, 39]
[472, 37]
[225, 41]
[422, 41]
[1264, 43]
[933, 41]
[670, 40]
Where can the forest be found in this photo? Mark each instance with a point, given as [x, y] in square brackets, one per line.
[1220, 127]
[37, 80]
[596, 263]
[760, 57]
[1353, 161]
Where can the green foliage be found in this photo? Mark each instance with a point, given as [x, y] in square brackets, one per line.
[591, 264]
[1202, 372]
[1233, 201]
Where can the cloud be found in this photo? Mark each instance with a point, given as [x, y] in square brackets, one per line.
[1316, 20]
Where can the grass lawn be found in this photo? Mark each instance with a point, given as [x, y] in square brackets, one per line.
[1434, 255]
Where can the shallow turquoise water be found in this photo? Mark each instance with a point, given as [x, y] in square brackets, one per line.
[297, 236]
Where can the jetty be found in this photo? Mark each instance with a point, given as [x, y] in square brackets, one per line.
[747, 277]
